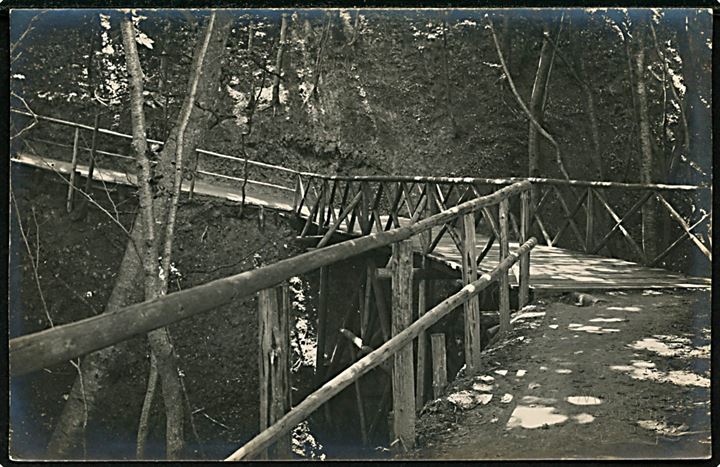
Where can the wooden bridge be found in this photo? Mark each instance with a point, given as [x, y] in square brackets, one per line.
[478, 230]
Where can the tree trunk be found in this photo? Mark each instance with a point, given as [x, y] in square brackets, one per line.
[96, 366]
[592, 120]
[536, 105]
[696, 72]
[537, 100]
[649, 230]
[278, 64]
[633, 97]
[159, 339]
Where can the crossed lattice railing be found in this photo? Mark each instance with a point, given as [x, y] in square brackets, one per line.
[639, 222]
[652, 224]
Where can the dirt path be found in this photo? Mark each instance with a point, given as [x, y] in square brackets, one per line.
[627, 377]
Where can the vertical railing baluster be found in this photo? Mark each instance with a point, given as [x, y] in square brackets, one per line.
[73, 170]
[504, 283]
[194, 175]
[524, 285]
[472, 305]
[589, 221]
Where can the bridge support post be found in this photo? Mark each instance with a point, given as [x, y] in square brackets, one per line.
[471, 306]
[425, 240]
[589, 222]
[504, 283]
[439, 363]
[403, 379]
[73, 172]
[524, 282]
[320, 358]
[421, 344]
[274, 364]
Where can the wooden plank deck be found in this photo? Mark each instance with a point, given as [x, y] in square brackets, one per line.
[557, 269]
[551, 268]
[560, 270]
[215, 190]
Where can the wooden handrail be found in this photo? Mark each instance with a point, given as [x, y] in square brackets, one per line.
[61, 343]
[507, 181]
[401, 178]
[154, 141]
[376, 357]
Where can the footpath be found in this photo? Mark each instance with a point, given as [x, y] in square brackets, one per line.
[626, 377]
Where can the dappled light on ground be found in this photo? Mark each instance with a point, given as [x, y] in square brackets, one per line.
[534, 417]
[584, 400]
[679, 377]
[671, 346]
[624, 308]
[637, 359]
[591, 329]
[583, 418]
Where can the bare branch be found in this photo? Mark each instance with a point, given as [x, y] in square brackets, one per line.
[529, 114]
[34, 115]
[32, 259]
[180, 146]
[82, 192]
[28, 29]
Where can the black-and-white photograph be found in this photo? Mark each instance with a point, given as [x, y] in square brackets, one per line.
[363, 233]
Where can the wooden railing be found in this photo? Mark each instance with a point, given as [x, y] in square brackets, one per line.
[62, 343]
[577, 215]
[381, 211]
[401, 341]
[645, 223]
[90, 139]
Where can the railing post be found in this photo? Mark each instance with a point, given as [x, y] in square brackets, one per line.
[194, 175]
[524, 282]
[296, 196]
[504, 283]
[426, 240]
[421, 343]
[93, 148]
[439, 363]
[323, 204]
[365, 213]
[472, 306]
[589, 221]
[320, 358]
[274, 363]
[71, 186]
[402, 375]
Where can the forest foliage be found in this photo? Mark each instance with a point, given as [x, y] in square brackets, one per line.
[399, 91]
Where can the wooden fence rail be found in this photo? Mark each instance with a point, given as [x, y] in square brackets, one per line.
[574, 214]
[376, 357]
[61, 343]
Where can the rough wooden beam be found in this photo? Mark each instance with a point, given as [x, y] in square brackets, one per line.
[403, 378]
[471, 307]
[372, 360]
[504, 283]
[524, 282]
[439, 364]
[321, 355]
[61, 343]
[421, 345]
[274, 365]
